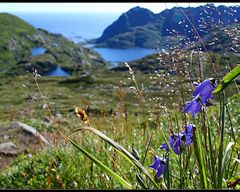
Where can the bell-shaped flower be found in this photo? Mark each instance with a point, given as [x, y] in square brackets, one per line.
[175, 141]
[194, 106]
[159, 165]
[205, 89]
[188, 133]
[179, 141]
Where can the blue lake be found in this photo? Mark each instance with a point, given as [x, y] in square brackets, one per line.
[38, 51]
[123, 55]
[58, 72]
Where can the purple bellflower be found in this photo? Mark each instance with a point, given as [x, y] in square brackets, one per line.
[175, 141]
[188, 133]
[179, 141]
[205, 89]
[159, 165]
[194, 106]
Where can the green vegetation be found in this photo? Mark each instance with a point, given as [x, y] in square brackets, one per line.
[139, 37]
[62, 166]
[126, 114]
[14, 39]
[18, 38]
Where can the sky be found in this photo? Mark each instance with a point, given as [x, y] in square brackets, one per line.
[155, 7]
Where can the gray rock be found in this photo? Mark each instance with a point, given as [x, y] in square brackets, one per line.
[58, 114]
[12, 44]
[32, 131]
[45, 106]
[7, 145]
[9, 148]
[5, 137]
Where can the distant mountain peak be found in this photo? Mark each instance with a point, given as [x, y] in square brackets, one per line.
[140, 27]
[136, 16]
[138, 8]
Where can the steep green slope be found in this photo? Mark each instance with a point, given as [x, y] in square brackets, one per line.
[18, 38]
[14, 40]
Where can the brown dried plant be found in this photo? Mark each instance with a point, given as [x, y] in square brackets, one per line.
[81, 113]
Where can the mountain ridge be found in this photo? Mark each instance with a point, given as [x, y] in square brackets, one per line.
[158, 29]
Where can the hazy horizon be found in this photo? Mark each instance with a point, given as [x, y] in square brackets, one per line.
[155, 7]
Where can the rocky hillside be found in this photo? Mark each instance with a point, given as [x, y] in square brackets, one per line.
[140, 27]
[183, 62]
[18, 38]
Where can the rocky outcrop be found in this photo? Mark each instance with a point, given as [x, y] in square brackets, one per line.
[18, 139]
[9, 149]
[32, 131]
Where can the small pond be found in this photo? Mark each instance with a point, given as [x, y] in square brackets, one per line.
[58, 72]
[38, 51]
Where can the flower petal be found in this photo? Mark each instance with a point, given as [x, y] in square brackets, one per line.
[205, 89]
[194, 106]
[161, 170]
[156, 163]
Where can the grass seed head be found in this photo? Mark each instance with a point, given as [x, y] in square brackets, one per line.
[81, 113]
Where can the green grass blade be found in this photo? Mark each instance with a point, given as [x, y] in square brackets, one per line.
[225, 154]
[237, 160]
[102, 166]
[141, 181]
[128, 156]
[213, 170]
[221, 143]
[198, 150]
[227, 79]
[201, 159]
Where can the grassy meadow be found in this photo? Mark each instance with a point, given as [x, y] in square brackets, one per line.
[126, 107]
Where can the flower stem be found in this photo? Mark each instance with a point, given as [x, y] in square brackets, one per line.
[212, 159]
[198, 150]
[220, 155]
